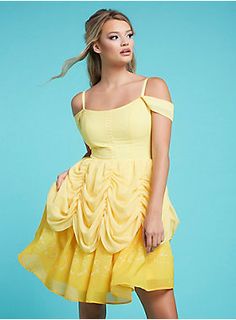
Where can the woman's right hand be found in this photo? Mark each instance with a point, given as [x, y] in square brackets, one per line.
[60, 178]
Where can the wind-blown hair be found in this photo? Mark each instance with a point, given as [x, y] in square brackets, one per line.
[93, 29]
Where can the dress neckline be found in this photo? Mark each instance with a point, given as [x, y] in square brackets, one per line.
[108, 110]
[123, 106]
[116, 108]
[120, 107]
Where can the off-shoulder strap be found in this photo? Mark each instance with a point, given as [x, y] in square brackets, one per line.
[83, 99]
[164, 107]
[144, 87]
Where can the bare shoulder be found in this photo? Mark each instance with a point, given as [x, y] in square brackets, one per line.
[76, 103]
[157, 87]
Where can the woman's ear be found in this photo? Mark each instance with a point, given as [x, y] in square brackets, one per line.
[96, 48]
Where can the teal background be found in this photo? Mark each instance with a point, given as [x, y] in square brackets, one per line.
[192, 45]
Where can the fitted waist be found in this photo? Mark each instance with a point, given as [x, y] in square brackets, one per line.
[121, 152]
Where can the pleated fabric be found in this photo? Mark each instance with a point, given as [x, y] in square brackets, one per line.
[106, 200]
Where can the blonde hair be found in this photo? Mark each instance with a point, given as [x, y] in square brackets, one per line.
[93, 29]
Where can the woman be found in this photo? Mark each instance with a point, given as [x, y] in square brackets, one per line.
[108, 220]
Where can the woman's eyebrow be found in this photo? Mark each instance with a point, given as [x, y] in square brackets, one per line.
[118, 31]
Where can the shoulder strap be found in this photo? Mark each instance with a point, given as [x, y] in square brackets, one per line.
[83, 99]
[144, 87]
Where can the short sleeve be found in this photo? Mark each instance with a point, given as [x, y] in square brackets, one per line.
[164, 107]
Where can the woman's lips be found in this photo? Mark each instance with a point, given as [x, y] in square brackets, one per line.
[125, 53]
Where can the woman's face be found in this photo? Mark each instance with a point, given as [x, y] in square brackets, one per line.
[116, 36]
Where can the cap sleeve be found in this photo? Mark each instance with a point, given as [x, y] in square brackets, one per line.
[164, 107]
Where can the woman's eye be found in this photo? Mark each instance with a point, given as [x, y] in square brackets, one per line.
[112, 37]
[130, 35]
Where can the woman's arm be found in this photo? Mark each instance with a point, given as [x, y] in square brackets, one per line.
[161, 135]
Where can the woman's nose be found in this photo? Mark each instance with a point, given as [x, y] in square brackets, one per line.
[124, 41]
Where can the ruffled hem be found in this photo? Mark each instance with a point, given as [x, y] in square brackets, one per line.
[105, 200]
[100, 277]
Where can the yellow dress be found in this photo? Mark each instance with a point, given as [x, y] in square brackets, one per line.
[88, 246]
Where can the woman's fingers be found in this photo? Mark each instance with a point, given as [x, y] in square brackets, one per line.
[148, 242]
[143, 237]
[151, 241]
[146, 239]
[155, 241]
[59, 182]
[60, 179]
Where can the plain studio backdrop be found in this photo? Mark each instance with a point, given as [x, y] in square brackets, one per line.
[192, 45]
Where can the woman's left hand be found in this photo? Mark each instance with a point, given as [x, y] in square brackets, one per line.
[153, 231]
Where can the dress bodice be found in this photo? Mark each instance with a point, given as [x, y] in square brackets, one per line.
[123, 132]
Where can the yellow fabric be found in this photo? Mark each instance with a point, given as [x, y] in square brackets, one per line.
[99, 276]
[88, 246]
